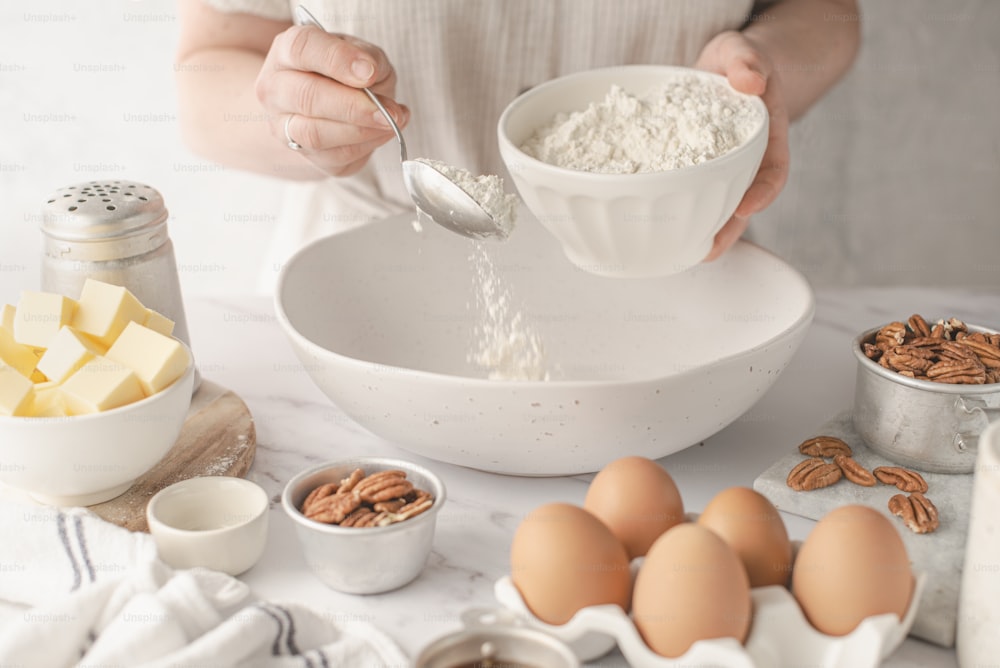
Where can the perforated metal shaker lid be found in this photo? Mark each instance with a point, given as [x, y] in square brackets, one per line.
[102, 211]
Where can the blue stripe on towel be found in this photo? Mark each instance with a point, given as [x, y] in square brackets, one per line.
[82, 543]
[276, 645]
[64, 539]
[290, 640]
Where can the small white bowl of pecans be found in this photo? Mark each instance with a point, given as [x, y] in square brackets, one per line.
[365, 524]
[925, 390]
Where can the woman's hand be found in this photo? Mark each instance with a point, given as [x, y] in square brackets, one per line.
[311, 86]
[749, 70]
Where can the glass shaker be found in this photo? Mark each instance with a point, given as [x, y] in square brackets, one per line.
[113, 231]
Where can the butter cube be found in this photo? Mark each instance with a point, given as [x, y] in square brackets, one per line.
[7, 318]
[157, 360]
[16, 391]
[40, 315]
[14, 354]
[68, 351]
[47, 401]
[105, 309]
[99, 385]
[159, 322]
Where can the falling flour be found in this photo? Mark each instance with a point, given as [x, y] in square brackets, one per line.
[682, 123]
[487, 190]
[506, 346]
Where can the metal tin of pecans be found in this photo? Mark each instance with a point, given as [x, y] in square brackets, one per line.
[921, 424]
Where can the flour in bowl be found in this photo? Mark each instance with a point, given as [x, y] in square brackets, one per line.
[681, 123]
[487, 190]
[507, 347]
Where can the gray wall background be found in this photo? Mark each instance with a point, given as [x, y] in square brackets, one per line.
[895, 175]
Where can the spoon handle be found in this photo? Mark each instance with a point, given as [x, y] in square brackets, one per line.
[304, 17]
[388, 117]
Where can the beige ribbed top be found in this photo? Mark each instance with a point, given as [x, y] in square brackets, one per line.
[460, 62]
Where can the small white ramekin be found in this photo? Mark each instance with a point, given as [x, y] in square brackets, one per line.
[215, 522]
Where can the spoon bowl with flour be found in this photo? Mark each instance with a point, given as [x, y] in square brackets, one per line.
[473, 206]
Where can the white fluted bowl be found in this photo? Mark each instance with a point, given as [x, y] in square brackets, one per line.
[626, 225]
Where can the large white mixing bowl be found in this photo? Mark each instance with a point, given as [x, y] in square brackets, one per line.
[380, 318]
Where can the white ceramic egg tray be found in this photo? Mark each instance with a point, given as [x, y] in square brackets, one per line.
[780, 636]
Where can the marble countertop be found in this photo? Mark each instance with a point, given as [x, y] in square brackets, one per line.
[239, 344]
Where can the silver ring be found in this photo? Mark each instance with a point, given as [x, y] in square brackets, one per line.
[292, 144]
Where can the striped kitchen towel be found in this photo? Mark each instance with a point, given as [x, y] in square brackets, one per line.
[96, 595]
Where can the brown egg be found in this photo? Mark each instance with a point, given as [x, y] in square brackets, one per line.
[751, 525]
[637, 499]
[563, 559]
[691, 586]
[851, 566]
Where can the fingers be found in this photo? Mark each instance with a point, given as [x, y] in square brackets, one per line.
[313, 95]
[320, 134]
[349, 60]
[735, 57]
[773, 171]
[748, 70]
[767, 184]
[313, 80]
[727, 236]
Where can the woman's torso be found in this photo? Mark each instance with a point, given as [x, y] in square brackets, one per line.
[460, 62]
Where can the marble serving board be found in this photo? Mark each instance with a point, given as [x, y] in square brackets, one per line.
[218, 438]
[939, 554]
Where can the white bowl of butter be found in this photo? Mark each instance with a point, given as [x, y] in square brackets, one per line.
[93, 392]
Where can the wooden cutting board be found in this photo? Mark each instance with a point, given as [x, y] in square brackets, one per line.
[218, 438]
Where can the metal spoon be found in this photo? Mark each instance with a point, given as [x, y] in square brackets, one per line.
[435, 195]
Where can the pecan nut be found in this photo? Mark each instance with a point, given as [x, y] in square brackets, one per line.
[905, 358]
[333, 509]
[967, 371]
[390, 506]
[412, 509]
[919, 325]
[924, 342]
[855, 472]
[916, 511]
[824, 446]
[812, 474]
[383, 486]
[360, 517]
[893, 334]
[955, 351]
[904, 480]
[871, 351]
[320, 492]
[988, 354]
[952, 326]
[350, 482]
